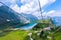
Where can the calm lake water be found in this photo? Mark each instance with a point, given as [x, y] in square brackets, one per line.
[29, 26]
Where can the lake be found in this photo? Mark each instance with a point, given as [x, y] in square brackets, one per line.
[28, 26]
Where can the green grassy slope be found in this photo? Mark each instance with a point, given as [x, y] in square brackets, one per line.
[58, 36]
[22, 35]
[15, 35]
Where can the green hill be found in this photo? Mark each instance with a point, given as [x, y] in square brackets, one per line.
[14, 35]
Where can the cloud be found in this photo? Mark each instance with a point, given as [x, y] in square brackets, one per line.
[29, 6]
[8, 2]
[1, 4]
[15, 8]
[3, 1]
[42, 2]
[45, 2]
[33, 5]
[53, 13]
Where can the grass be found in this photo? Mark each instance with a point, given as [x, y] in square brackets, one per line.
[15, 35]
[58, 36]
[22, 35]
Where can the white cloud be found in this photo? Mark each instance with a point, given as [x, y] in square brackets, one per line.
[46, 2]
[3, 1]
[15, 8]
[30, 6]
[10, 1]
[42, 2]
[1, 4]
[53, 13]
[33, 5]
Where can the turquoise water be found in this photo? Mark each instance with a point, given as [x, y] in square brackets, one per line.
[28, 26]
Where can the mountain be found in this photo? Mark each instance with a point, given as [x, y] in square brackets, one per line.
[31, 17]
[10, 17]
[57, 20]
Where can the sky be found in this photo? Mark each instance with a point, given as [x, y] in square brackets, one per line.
[49, 7]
